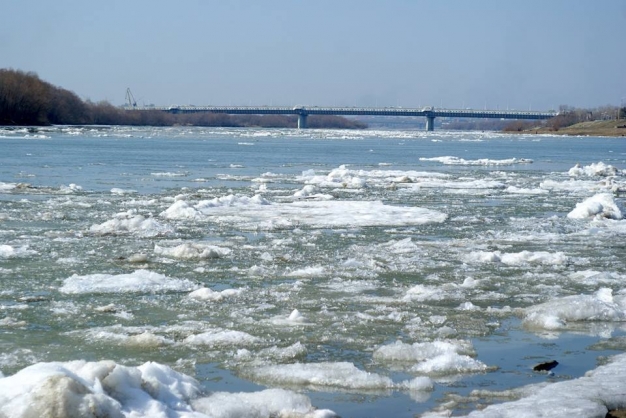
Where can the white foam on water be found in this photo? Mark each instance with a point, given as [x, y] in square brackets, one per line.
[556, 313]
[131, 223]
[592, 395]
[483, 161]
[192, 251]
[599, 206]
[140, 281]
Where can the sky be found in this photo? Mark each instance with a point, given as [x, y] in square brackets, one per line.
[494, 54]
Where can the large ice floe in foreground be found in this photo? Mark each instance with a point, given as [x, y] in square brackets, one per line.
[601, 205]
[258, 213]
[590, 396]
[152, 390]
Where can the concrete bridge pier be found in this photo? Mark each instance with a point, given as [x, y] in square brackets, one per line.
[430, 123]
[302, 120]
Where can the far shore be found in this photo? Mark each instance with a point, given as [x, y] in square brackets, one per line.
[591, 128]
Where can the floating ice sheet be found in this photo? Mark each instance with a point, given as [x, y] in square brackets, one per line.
[131, 223]
[556, 313]
[483, 161]
[140, 281]
[152, 390]
[260, 214]
[330, 375]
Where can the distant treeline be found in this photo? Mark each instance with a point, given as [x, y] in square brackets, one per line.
[27, 100]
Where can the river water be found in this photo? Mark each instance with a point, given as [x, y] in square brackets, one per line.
[265, 272]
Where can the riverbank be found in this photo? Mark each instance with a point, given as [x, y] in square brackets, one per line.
[591, 128]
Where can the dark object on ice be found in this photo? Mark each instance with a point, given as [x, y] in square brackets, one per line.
[544, 367]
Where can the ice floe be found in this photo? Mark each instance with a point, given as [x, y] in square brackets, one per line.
[5, 187]
[268, 403]
[207, 294]
[330, 375]
[417, 352]
[595, 169]
[599, 206]
[482, 161]
[222, 337]
[8, 251]
[448, 364]
[557, 313]
[192, 251]
[311, 192]
[258, 213]
[514, 259]
[131, 222]
[152, 390]
[592, 395]
[140, 281]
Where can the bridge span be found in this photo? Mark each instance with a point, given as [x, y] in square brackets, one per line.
[430, 113]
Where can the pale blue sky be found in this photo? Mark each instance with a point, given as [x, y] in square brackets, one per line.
[453, 53]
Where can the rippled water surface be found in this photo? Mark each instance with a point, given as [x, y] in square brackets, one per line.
[375, 272]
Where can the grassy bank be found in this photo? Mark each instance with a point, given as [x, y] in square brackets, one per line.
[591, 128]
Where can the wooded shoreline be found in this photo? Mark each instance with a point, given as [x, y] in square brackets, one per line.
[26, 100]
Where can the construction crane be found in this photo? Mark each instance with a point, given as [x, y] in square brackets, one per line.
[130, 99]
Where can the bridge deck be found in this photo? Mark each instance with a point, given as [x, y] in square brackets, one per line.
[356, 111]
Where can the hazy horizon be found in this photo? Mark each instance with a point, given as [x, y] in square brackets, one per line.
[488, 54]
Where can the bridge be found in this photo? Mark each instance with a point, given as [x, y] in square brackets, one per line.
[430, 113]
